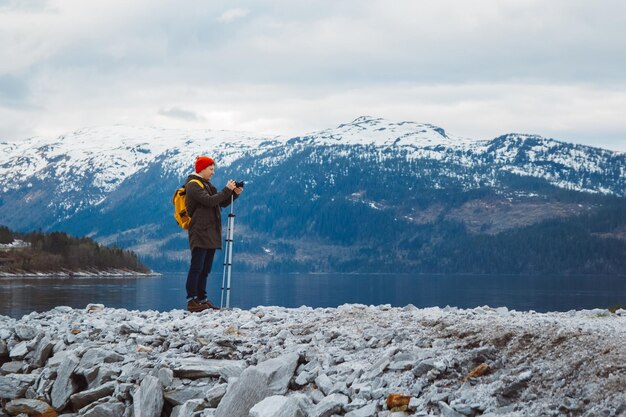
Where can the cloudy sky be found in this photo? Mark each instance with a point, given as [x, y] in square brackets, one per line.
[476, 68]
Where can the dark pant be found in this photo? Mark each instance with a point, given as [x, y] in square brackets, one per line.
[201, 261]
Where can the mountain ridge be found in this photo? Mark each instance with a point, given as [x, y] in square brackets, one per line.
[328, 199]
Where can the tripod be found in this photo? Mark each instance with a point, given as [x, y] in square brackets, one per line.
[228, 256]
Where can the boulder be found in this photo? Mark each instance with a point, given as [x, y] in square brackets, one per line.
[148, 399]
[33, 408]
[215, 395]
[250, 388]
[277, 406]
[202, 368]
[279, 372]
[333, 404]
[25, 331]
[398, 401]
[166, 376]
[366, 411]
[380, 365]
[64, 386]
[20, 350]
[182, 394]
[105, 409]
[96, 357]
[447, 411]
[42, 352]
[324, 383]
[257, 382]
[13, 367]
[102, 374]
[423, 367]
[188, 409]
[14, 386]
[84, 398]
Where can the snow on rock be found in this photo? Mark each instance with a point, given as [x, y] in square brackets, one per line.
[315, 362]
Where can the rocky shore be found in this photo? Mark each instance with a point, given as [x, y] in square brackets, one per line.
[353, 361]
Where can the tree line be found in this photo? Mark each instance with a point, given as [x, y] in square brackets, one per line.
[58, 251]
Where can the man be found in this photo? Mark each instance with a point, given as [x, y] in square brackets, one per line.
[204, 205]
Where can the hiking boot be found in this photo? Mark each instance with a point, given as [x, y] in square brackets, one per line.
[194, 306]
[209, 304]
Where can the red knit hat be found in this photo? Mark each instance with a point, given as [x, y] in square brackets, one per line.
[202, 162]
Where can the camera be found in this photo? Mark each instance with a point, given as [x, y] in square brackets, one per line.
[239, 184]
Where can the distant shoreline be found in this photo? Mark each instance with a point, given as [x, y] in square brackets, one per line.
[115, 273]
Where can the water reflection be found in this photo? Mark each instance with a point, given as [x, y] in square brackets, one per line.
[19, 296]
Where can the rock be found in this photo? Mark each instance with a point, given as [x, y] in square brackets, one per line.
[19, 351]
[279, 372]
[324, 383]
[96, 357]
[447, 411]
[202, 368]
[42, 352]
[304, 378]
[64, 386]
[33, 408]
[424, 367]
[367, 411]
[100, 375]
[277, 406]
[483, 354]
[107, 409]
[94, 308]
[148, 399]
[4, 350]
[284, 334]
[13, 367]
[398, 401]
[25, 331]
[250, 388]
[513, 390]
[569, 404]
[84, 398]
[257, 382]
[182, 394]
[333, 404]
[480, 370]
[166, 376]
[353, 376]
[187, 409]
[215, 395]
[14, 386]
[380, 365]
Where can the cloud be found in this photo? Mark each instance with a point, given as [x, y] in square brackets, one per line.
[178, 113]
[232, 14]
[477, 69]
[13, 90]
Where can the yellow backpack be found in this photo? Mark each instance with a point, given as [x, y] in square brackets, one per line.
[180, 209]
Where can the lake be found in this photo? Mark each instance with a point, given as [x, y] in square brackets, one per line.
[22, 295]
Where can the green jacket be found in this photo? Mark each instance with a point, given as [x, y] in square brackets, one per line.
[204, 205]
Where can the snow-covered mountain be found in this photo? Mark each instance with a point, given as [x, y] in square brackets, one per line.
[115, 183]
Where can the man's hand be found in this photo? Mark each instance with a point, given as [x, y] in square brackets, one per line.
[230, 185]
[238, 190]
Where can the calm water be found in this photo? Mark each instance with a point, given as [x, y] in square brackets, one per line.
[19, 296]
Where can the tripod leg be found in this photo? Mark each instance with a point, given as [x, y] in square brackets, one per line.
[228, 256]
[224, 273]
[231, 229]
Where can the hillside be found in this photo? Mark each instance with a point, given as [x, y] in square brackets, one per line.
[370, 195]
[59, 253]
